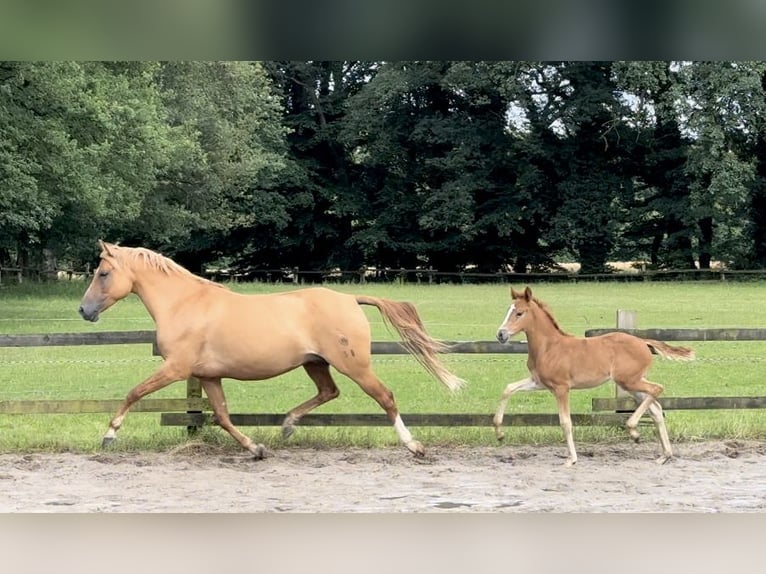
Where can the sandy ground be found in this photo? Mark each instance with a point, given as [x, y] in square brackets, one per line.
[721, 476]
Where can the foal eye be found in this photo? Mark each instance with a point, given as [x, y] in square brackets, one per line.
[519, 313]
[103, 273]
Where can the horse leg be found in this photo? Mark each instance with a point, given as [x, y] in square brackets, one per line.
[214, 391]
[646, 392]
[166, 374]
[655, 411]
[327, 391]
[527, 384]
[371, 385]
[561, 392]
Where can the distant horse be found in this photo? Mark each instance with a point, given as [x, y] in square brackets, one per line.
[560, 362]
[206, 331]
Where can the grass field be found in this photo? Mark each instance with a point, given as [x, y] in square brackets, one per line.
[451, 312]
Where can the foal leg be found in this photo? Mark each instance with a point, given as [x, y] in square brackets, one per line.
[655, 411]
[214, 391]
[320, 374]
[647, 392]
[527, 384]
[561, 392]
[166, 374]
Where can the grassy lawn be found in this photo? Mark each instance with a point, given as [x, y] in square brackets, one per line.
[451, 312]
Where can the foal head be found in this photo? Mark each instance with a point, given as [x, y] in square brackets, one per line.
[111, 282]
[518, 316]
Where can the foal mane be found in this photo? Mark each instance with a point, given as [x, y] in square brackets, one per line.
[154, 260]
[544, 308]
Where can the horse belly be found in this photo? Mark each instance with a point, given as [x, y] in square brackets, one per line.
[249, 359]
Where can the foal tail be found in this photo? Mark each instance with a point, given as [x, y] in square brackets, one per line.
[405, 319]
[670, 352]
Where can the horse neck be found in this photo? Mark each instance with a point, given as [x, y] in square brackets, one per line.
[542, 332]
[161, 291]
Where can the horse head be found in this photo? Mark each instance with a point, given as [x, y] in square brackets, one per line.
[111, 282]
[517, 316]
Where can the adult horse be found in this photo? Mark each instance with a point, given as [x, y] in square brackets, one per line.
[560, 362]
[206, 331]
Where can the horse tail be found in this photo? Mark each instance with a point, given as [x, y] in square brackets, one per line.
[404, 318]
[670, 352]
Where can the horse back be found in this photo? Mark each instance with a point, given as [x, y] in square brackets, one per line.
[588, 361]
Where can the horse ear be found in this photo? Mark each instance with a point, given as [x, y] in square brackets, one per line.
[105, 247]
[515, 294]
[528, 294]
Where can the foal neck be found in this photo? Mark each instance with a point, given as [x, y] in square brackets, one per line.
[544, 325]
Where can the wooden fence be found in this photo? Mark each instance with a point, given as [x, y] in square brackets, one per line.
[425, 275]
[417, 275]
[194, 410]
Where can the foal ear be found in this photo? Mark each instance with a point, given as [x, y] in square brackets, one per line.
[515, 294]
[528, 294]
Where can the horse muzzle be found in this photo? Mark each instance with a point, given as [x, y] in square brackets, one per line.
[503, 335]
[89, 312]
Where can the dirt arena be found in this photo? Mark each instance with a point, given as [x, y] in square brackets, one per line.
[725, 476]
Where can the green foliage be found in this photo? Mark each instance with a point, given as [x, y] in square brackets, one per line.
[447, 164]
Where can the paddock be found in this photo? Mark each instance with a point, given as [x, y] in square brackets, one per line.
[189, 474]
[704, 477]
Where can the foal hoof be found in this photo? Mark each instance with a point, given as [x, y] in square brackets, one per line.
[106, 441]
[416, 448]
[287, 431]
[664, 458]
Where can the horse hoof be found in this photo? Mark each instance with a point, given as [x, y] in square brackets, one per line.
[664, 458]
[106, 441]
[287, 431]
[259, 451]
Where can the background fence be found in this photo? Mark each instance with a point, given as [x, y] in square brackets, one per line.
[389, 275]
[194, 410]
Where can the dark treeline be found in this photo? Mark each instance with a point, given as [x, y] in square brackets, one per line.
[490, 166]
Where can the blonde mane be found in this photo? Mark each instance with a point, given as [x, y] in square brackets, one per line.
[154, 260]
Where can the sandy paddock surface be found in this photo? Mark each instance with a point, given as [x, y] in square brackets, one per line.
[711, 476]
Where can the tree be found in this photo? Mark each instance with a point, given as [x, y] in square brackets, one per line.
[325, 198]
[81, 142]
[724, 108]
[219, 188]
[657, 214]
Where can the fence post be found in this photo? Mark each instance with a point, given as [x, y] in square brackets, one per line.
[193, 391]
[625, 320]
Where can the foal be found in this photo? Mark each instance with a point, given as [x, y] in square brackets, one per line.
[560, 362]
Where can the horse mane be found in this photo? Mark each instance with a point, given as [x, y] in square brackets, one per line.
[544, 308]
[155, 260]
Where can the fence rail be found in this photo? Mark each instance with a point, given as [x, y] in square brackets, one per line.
[418, 275]
[194, 410]
[722, 334]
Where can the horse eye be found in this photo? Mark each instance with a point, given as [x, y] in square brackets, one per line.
[103, 273]
[519, 313]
